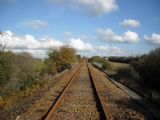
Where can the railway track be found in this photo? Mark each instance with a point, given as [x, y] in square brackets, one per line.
[118, 104]
[87, 94]
[40, 107]
[79, 100]
[149, 105]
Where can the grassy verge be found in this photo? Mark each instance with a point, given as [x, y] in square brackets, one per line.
[16, 102]
[116, 66]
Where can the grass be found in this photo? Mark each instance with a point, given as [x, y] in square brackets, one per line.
[115, 66]
[16, 99]
[126, 74]
[13, 96]
[40, 65]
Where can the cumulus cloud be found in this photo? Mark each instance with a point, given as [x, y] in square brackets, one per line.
[94, 7]
[110, 49]
[153, 39]
[106, 50]
[130, 23]
[80, 45]
[39, 47]
[36, 53]
[28, 42]
[109, 36]
[36, 24]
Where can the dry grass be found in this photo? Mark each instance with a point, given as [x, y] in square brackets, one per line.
[115, 65]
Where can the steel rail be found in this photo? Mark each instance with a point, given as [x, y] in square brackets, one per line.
[101, 103]
[60, 99]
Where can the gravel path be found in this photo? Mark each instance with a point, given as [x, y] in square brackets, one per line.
[79, 102]
[119, 105]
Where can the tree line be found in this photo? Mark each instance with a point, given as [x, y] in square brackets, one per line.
[123, 59]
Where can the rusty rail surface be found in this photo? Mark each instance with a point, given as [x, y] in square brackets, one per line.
[101, 103]
[60, 99]
[149, 105]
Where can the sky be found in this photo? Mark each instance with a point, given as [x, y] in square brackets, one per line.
[92, 27]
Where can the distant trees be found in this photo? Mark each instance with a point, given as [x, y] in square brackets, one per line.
[123, 59]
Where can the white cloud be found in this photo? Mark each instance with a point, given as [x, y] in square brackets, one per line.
[106, 50]
[39, 47]
[111, 49]
[153, 39]
[109, 36]
[28, 42]
[79, 45]
[67, 34]
[94, 7]
[130, 23]
[131, 37]
[36, 53]
[37, 24]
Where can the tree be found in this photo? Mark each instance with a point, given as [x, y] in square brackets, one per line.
[67, 57]
[51, 62]
[59, 60]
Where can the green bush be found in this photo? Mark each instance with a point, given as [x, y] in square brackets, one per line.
[60, 60]
[5, 66]
[17, 71]
[148, 67]
[105, 64]
[128, 73]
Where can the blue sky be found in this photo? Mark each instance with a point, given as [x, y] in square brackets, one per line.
[92, 27]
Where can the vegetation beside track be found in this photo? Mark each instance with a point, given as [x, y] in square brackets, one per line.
[22, 75]
[140, 73]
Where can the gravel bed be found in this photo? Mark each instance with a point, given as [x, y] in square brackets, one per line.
[118, 104]
[41, 106]
[79, 102]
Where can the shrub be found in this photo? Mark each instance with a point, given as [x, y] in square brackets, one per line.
[17, 71]
[5, 66]
[60, 60]
[105, 64]
[129, 73]
[149, 69]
